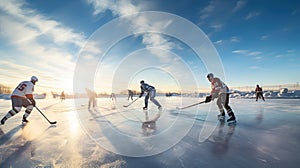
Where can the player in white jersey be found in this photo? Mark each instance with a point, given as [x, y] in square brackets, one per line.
[22, 97]
[150, 90]
[130, 94]
[220, 91]
[92, 95]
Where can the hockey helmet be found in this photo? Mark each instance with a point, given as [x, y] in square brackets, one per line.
[34, 79]
[210, 75]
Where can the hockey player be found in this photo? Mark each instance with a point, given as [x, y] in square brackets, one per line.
[62, 96]
[130, 94]
[22, 96]
[150, 94]
[259, 93]
[92, 98]
[220, 91]
[113, 97]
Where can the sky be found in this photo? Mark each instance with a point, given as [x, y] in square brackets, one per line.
[110, 45]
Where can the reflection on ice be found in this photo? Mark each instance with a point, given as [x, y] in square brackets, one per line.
[149, 128]
[73, 124]
[260, 114]
[266, 135]
[125, 123]
[221, 138]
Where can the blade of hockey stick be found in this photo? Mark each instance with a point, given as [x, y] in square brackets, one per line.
[180, 108]
[131, 102]
[51, 122]
[54, 122]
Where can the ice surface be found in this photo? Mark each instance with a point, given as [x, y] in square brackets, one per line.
[266, 135]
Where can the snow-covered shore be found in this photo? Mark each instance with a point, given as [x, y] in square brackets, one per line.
[269, 94]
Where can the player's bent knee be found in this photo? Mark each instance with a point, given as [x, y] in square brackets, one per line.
[29, 107]
[17, 109]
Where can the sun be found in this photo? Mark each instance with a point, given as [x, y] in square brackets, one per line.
[67, 85]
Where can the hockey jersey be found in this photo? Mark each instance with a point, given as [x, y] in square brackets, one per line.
[258, 90]
[217, 87]
[146, 88]
[24, 90]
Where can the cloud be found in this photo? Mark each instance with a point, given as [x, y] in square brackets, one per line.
[218, 42]
[254, 53]
[217, 12]
[240, 52]
[247, 52]
[156, 40]
[208, 10]
[286, 54]
[91, 50]
[216, 26]
[28, 24]
[117, 7]
[127, 7]
[264, 37]
[259, 59]
[39, 45]
[252, 15]
[254, 67]
[7, 65]
[12, 6]
[239, 5]
[16, 32]
[279, 56]
[47, 80]
[235, 39]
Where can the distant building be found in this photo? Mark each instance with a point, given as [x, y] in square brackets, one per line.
[5, 89]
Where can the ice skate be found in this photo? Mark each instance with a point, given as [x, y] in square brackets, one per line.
[221, 117]
[160, 108]
[24, 119]
[231, 119]
[149, 122]
[3, 120]
[145, 108]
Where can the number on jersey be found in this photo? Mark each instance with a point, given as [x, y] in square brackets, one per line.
[21, 86]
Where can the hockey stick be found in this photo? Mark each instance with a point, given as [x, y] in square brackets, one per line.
[180, 108]
[53, 122]
[131, 102]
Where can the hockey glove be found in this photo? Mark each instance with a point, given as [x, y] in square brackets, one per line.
[207, 99]
[32, 101]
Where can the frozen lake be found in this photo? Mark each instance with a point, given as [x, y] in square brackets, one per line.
[266, 135]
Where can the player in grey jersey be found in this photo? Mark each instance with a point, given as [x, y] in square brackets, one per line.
[151, 92]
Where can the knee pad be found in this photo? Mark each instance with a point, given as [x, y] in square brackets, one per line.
[27, 111]
[13, 111]
[29, 108]
[16, 109]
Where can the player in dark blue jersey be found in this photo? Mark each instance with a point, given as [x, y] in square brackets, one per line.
[150, 90]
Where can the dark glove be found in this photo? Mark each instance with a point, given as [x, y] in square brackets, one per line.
[207, 99]
[32, 101]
